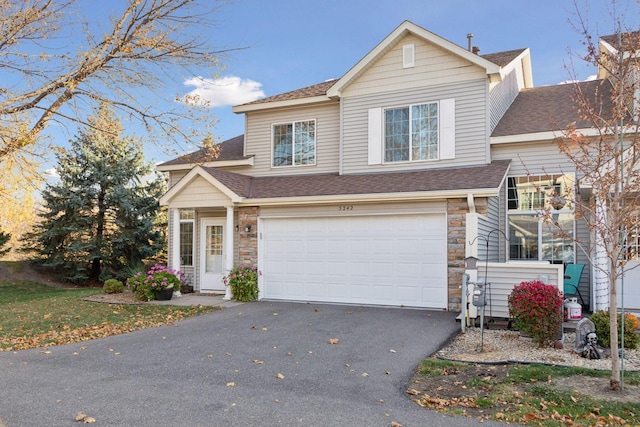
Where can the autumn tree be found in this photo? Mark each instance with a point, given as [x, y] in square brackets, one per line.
[606, 160]
[102, 213]
[57, 64]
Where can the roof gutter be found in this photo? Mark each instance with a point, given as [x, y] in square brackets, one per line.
[363, 198]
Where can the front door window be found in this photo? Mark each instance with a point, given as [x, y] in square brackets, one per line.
[214, 260]
[212, 255]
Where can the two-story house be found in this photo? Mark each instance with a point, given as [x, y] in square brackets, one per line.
[374, 187]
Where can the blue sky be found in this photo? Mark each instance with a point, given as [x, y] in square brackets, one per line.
[295, 43]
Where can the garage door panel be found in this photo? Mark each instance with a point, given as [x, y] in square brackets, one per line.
[385, 260]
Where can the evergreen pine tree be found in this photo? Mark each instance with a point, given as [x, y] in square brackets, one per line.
[101, 213]
[4, 239]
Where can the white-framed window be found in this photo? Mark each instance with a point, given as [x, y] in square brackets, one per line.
[415, 132]
[531, 235]
[411, 133]
[294, 143]
[187, 221]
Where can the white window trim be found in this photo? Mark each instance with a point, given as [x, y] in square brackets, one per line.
[384, 134]
[193, 241]
[509, 212]
[446, 132]
[315, 143]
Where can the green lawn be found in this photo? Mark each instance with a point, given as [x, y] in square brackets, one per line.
[524, 394]
[35, 315]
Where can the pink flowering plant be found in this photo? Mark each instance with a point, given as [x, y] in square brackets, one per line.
[159, 277]
[244, 282]
[536, 309]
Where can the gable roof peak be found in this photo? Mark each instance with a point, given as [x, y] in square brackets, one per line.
[405, 28]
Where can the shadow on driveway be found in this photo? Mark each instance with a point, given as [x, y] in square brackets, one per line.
[256, 364]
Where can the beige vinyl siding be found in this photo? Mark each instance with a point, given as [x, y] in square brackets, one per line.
[486, 225]
[258, 138]
[470, 125]
[434, 66]
[504, 276]
[199, 193]
[175, 176]
[532, 158]
[501, 96]
[353, 209]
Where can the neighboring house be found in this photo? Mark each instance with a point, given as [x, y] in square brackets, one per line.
[374, 187]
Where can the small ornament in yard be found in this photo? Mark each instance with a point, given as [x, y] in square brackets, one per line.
[587, 340]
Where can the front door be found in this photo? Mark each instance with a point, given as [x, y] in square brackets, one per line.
[212, 255]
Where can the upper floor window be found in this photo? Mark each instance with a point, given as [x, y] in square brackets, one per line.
[411, 133]
[294, 144]
[424, 131]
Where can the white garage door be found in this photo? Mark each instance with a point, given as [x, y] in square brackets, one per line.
[380, 260]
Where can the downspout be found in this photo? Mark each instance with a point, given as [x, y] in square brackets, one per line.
[341, 146]
[471, 203]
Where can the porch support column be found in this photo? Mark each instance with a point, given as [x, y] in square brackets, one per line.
[228, 249]
[601, 268]
[175, 239]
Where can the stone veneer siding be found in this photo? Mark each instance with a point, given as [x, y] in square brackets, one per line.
[456, 243]
[248, 241]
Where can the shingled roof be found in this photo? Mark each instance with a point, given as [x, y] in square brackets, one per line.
[231, 149]
[476, 177]
[503, 58]
[320, 89]
[552, 108]
[629, 40]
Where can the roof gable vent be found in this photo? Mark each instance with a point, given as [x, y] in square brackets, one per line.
[408, 55]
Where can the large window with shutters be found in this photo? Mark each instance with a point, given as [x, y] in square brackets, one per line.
[409, 133]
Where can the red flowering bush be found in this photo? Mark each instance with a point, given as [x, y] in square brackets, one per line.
[536, 309]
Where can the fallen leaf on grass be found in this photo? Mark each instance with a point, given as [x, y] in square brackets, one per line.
[334, 340]
[47, 316]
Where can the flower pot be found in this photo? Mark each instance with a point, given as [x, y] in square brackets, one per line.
[163, 294]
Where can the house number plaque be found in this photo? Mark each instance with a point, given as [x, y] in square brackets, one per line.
[345, 207]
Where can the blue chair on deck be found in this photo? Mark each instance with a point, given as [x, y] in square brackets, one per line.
[571, 280]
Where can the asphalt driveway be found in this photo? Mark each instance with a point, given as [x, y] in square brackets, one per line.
[257, 364]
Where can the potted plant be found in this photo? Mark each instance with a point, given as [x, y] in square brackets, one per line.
[159, 283]
[536, 309]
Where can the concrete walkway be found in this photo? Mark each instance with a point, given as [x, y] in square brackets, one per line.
[199, 299]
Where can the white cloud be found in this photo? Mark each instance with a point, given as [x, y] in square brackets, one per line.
[51, 173]
[229, 90]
